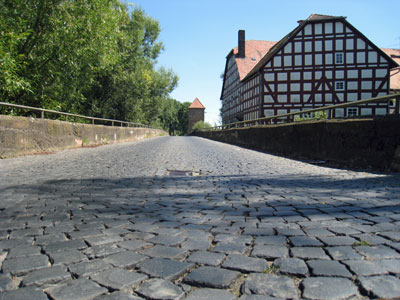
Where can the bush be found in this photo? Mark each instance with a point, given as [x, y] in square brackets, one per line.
[318, 115]
[201, 125]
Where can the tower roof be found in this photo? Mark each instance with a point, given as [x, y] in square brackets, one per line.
[196, 104]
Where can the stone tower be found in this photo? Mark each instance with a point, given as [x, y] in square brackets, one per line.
[196, 113]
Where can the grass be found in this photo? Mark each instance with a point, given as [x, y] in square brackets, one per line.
[362, 243]
[272, 269]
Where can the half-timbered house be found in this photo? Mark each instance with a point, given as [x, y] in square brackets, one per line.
[323, 61]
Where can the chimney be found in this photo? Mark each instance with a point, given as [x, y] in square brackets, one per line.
[241, 44]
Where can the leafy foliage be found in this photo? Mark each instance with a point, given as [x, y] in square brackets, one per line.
[318, 115]
[174, 117]
[89, 57]
[201, 125]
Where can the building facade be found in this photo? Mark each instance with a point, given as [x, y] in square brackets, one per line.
[323, 61]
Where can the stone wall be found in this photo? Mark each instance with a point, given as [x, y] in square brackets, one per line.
[363, 143]
[20, 135]
[195, 115]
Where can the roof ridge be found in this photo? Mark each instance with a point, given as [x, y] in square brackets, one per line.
[259, 41]
[322, 16]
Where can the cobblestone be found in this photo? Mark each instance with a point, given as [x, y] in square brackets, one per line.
[292, 266]
[391, 265]
[244, 264]
[257, 297]
[102, 251]
[206, 258]
[23, 265]
[44, 277]
[328, 268]
[338, 240]
[269, 251]
[212, 277]
[80, 289]
[271, 240]
[125, 259]
[133, 244]
[67, 257]
[304, 241]
[343, 253]
[270, 285]
[24, 293]
[160, 251]
[365, 267]
[118, 279]
[231, 248]
[84, 269]
[89, 213]
[118, 296]
[19, 252]
[164, 268]
[386, 287]
[66, 245]
[378, 252]
[208, 294]
[161, 290]
[328, 288]
[308, 253]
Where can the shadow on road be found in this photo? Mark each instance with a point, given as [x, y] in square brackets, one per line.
[248, 196]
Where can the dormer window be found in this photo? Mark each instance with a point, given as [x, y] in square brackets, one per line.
[339, 58]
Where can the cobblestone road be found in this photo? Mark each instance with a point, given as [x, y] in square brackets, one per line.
[110, 223]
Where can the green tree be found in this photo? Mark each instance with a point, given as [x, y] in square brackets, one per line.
[169, 116]
[84, 56]
[183, 117]
[174, 117]
[59, 49]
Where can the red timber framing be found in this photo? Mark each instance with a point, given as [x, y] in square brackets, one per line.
[324, 61]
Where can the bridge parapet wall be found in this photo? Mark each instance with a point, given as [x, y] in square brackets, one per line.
[20, 135]
[362, 143]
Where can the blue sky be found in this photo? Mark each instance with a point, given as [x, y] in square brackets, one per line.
[198, 35]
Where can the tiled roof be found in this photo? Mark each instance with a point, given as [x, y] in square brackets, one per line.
[394, 73]
[196, 104]
[254, 51]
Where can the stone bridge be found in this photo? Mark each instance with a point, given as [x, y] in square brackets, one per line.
[190, 218]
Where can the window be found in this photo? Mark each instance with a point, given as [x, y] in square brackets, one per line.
[339, 85]
[352, 112]
[339, 58]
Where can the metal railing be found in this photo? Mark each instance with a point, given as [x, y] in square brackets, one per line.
[289, 117]
[93, 119]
